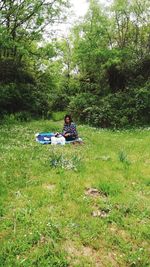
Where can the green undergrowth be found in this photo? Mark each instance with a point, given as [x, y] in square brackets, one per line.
[59, 115]
[47, 216]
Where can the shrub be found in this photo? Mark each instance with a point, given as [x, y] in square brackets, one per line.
[58, 101]
[25, 98]
[79, 104]
[122, 109]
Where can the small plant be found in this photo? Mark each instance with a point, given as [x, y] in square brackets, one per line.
[124, 158]
[109, 188]
[61, 161]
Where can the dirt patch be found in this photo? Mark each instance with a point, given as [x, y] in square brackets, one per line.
[49, 187]
[78, 254]
[147, 161]
[42, 240]
[120, 232]
[93, 192]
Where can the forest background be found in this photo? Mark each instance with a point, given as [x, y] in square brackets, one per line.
[99, 72]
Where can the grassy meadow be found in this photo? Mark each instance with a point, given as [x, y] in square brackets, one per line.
[74, 205]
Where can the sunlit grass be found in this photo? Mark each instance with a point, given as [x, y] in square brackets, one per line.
[46, 215]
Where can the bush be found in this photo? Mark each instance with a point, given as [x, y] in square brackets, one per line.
[24, 98]
[23, 116]
[79, 104]
[14, 71]
[122, 109]
[58, 101]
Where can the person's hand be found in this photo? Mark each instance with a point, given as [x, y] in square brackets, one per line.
[67, 134]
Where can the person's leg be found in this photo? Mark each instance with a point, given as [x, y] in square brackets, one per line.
[70, 138]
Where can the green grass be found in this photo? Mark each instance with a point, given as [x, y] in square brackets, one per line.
[46, 215]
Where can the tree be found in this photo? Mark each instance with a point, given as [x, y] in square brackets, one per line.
[23, 26]
[25, 20]
[90, 47]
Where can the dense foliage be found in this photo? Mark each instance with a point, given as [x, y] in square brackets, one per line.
[114, 110]
[24, 85]
[100, 72]
[111, 50]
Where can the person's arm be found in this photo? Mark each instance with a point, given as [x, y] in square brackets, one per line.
[73, 130]
[64, 130]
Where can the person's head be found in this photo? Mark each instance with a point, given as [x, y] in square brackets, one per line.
[68, 119]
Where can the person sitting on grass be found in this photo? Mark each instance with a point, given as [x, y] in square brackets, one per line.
[69, 134]
[69, 130]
